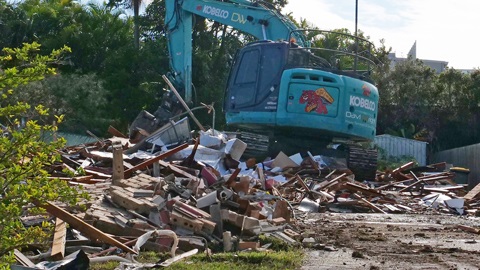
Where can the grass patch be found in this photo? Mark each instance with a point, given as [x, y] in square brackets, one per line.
[104, 265]
[224, 261]
[276, 244]
[243, 261]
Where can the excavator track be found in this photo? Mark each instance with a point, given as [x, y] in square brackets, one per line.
[362, 162]
[257, 144]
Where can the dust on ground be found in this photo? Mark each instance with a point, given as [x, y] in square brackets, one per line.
[378, 241]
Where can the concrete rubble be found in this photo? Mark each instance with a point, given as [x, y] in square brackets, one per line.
[201, 195]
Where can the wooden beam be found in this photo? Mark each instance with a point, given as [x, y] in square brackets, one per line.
[328, 183]
[177, 170]
[80, 225]
[403, 167]
[180, 99]
[116, 132]
[59, 239]
[117, 164]
[149, 162]
[418, 181]
[472, 193]
[22, 259]
[468, 229]
[427, 178]
[365, 191]
[371, 205]
[307, 190]
[231, 180]
[261, 176]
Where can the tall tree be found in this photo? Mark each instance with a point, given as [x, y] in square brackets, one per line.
[407, 97]
[135, 5]
[458, 106]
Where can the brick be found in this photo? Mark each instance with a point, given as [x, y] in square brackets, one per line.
[128, 202]
[278, 221]
[177, 219]
[248, 245]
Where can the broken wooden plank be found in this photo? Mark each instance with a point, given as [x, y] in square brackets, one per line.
[365, 191]
[468, 229]
[191, 158]
[116, 132]
[117, 164]
[59, 239]
[328, 183]
[177, 170]
[66, 159]
[232, 179]
[68, 168]
[428, 178]
[371, 205]
[443, 189]
[403, 167]
[98, 172]
[410, 186]
[418, 181]
[392, 208]
[472, 193]
[302, 183]
[80, 225]
[22, 259]
[312, 161]
[261, 176]
[149, 162]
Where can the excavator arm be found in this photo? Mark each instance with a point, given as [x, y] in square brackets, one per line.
[251, 17]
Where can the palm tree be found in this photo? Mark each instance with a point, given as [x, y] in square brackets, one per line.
[136, 31]
[135, 4]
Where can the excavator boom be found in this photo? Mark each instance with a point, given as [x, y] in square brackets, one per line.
[247, 16]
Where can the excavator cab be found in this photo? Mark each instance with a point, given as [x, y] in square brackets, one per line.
[318, 92]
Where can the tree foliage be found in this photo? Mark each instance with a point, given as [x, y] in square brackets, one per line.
[418, 103]
[24, 155]
[415, 102]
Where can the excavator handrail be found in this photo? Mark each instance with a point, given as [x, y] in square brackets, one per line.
[308, 32]
[316, 57]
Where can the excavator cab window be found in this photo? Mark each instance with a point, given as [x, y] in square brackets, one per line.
[304, 58]
[255, 76]
[248, 69]
[244, 86]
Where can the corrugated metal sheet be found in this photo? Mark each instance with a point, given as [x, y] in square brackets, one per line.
[171, 133]
[466, 157]
[398, 147]
[72, 139]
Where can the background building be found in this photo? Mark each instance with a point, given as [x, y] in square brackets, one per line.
[438, 66]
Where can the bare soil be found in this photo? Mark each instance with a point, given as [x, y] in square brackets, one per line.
[378, 241]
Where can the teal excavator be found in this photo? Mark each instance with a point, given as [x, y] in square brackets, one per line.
[281, 86]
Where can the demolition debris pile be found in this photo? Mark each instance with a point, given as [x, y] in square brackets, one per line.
[185, 196]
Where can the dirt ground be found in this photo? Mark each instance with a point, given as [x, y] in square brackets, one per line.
[393, 241]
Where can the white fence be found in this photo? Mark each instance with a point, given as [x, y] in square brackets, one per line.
[398, 147]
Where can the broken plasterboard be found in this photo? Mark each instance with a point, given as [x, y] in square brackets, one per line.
[283, 161]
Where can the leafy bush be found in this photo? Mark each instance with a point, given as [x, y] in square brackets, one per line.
[24, 156]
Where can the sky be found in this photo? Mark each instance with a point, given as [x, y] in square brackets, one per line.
[444, 30]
